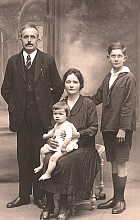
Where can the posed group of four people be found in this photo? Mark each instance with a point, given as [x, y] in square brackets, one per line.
[59, 156]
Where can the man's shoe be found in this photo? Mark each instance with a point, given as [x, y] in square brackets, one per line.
[119, 207]
[40, 203]
[107, 205]
[18, 202]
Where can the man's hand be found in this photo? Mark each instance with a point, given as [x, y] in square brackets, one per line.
[121, 135]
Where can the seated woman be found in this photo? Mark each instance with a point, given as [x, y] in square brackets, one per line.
[75, 172]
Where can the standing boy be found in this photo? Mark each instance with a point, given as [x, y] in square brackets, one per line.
[118, 97]
[31, 86]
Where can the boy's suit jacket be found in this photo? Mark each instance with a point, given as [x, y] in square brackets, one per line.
[119, 102]
[48, 88]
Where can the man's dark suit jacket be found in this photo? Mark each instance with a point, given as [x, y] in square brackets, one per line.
[48, 88]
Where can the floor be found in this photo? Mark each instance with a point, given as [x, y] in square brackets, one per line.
[9, 184]
[8, 191]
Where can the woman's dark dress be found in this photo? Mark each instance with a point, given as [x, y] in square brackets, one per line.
[76, 171]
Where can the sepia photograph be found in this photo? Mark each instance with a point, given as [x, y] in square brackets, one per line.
[69, 109]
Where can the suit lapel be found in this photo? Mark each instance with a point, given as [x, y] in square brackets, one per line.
[119, 76]
[107, 91]
[39, 66]
[20, 65]
[107, 94]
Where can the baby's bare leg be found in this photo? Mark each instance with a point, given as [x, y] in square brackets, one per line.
[51, 165]
[43, 151]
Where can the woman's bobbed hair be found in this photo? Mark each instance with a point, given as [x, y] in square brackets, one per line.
[77, 73]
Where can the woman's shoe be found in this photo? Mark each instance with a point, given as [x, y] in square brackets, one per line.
[63, 216]
[44, 215]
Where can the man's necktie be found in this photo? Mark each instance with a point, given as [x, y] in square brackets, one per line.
[28, 62]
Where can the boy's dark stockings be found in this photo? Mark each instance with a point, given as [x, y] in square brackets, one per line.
[121, 187]
[115, 183]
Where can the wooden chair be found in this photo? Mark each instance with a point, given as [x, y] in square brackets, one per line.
[100, 195]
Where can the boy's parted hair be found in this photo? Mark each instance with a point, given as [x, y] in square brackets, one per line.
[62, 105]
[115, 46]
[28, 25]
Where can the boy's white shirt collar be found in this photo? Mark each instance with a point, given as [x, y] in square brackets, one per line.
[114, 76]
[124, 69]
[32, 55]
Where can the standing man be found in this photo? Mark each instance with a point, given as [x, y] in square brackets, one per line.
[118, 97]
[31, 86]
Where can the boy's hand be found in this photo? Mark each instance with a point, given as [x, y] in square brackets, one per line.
[121, 135]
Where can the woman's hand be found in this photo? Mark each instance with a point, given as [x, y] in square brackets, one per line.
[75, 134]
[63, 135]
[53, 143]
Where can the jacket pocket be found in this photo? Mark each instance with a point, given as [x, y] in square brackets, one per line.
[12, 103]
[11, 107]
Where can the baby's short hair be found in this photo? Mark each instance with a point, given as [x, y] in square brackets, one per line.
[115, 46]
[62, 105]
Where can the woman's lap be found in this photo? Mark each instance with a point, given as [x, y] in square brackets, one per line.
[74, 173]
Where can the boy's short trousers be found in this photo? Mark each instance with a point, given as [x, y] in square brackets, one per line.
[116, 151]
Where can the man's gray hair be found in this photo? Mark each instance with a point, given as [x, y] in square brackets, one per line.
[28, 25]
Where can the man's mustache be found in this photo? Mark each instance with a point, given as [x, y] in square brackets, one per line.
[29, 44]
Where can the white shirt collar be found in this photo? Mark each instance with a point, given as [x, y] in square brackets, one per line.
[32, 55]
[124, 69]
